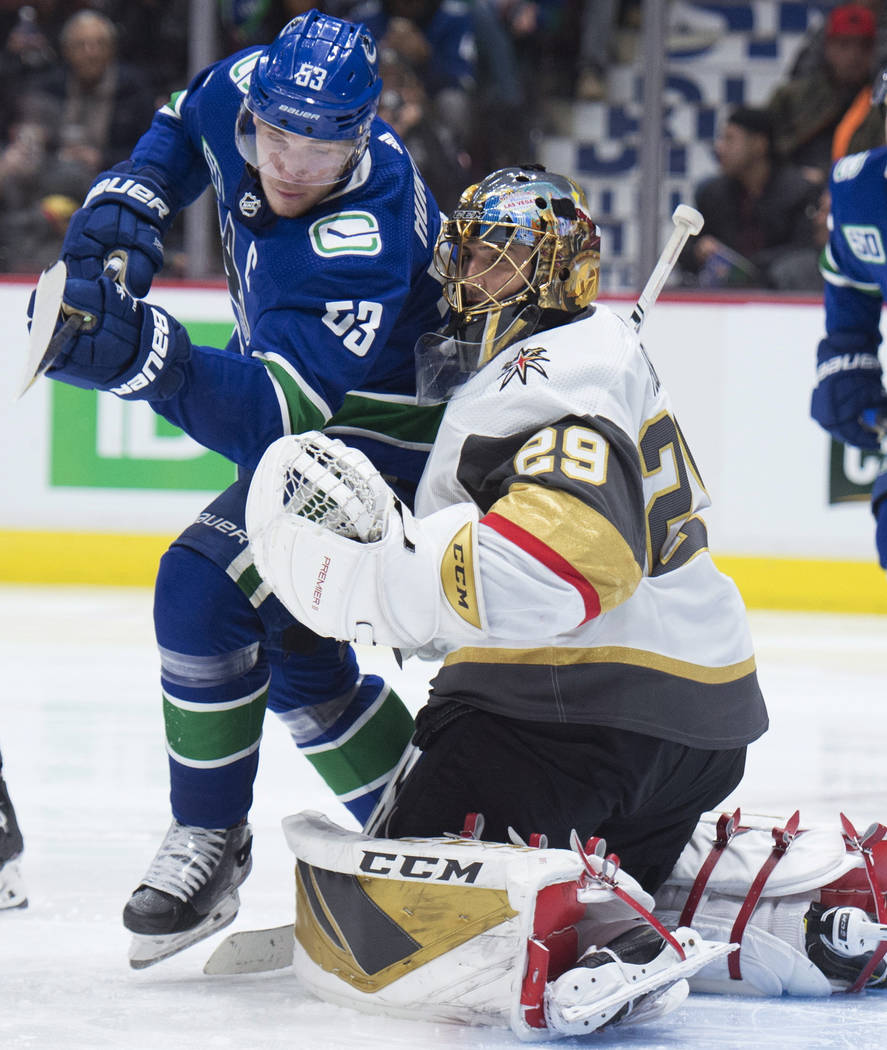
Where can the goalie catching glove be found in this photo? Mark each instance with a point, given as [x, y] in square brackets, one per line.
[350, 561]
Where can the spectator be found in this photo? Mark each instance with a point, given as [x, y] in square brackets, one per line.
[808, 111]
[151, 36]
[111, 101]
[40, 186]
[438, 41]
[404, 105]
[755, 210]
[27, 54]
[810, 55]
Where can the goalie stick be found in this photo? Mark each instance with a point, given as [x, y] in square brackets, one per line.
[687, 223]
[258, 951]
[43, 346]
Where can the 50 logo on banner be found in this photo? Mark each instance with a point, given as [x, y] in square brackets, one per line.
[103, 442]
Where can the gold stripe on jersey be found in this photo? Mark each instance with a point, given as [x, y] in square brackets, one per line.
[581, 535]
[457, 575]
[560, 656]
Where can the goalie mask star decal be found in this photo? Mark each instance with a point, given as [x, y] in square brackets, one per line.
[525, 361]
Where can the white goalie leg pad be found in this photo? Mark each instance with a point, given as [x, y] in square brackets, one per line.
[772, 958]
[432, 929]
[389, 578]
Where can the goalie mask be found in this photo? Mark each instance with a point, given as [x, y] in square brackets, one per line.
[311, 102]
[519, 253]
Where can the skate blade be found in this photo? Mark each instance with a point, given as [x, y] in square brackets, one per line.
[12, 887]
[147, 949]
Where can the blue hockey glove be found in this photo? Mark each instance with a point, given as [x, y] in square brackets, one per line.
[848, 382]
[131, 348]
[879, 509]
[126, 212]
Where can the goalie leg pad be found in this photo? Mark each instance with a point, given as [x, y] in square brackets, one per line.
[434, 929]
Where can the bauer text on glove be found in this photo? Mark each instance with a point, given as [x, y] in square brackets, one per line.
[124, 212]
[848, 381]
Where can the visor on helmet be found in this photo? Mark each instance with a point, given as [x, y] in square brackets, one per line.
[290, 157]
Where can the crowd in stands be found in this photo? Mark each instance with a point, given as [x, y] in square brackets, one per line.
[467, 84]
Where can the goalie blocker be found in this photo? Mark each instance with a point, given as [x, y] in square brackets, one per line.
[548, 942]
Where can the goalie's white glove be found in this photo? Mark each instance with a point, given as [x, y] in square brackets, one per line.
[348, 560]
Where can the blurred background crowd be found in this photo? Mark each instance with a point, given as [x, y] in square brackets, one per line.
[470, 85]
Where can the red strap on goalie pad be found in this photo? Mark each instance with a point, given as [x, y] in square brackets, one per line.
[607, 877]
[783, 838]
[727, 827]
[473, 826]
[553, 947]
[864, 845]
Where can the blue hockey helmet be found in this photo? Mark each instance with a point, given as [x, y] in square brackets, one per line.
[318, 81]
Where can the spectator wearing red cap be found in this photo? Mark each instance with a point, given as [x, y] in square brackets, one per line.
[809, 112]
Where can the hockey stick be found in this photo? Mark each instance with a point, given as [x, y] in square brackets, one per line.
[43, 346]
[687, 223]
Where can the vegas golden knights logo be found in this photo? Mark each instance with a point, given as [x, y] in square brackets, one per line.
[369, 931]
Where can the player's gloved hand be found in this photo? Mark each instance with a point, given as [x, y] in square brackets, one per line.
[131, 348]
[879, 509]
[848, 381]
[126, 212]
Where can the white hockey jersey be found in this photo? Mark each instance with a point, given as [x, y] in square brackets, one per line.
[602, 600]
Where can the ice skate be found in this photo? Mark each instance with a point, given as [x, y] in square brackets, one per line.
[637, 977]
[12, 887]
[189, 891]
[841, 941]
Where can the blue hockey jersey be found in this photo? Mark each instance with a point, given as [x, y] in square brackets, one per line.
[328, 306]
[854, 263]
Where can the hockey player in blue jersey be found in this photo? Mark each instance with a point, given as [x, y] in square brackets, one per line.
[327, 231]
[849, 400]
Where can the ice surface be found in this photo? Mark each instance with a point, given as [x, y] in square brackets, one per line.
[82, 741]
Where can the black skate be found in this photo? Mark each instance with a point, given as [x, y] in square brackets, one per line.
[12, 888]
[841, 941]
[189, 892]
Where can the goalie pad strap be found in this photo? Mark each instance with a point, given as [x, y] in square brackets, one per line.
[863, 846]
[607, 877]
[783, 838]
[727, 827]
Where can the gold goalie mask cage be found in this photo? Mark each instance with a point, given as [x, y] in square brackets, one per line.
[538, 250]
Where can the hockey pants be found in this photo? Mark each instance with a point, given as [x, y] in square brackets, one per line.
[227, 652]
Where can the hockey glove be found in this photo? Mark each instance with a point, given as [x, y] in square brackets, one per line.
[879, 509]
[349, 560]
[848, 381]
[133, 349]
[127, 213]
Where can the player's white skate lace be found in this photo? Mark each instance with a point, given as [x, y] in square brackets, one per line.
[186, 860]
[189, 890]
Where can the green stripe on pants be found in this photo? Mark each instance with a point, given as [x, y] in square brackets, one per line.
[370, 752]
[214, 734]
